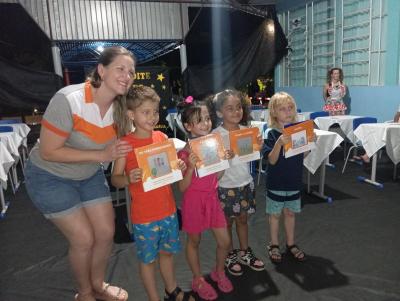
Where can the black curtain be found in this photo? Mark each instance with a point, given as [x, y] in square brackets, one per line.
[22, 89]
[251, 55]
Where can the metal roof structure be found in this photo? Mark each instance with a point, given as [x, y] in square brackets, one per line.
[86, 53]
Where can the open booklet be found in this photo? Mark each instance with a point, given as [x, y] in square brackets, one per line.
[301, 135]
[159, 163]
[211, 152]
[244, 145]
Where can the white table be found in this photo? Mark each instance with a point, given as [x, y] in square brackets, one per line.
[345, 122]
[373, 137]
[12, 141]
[259, 114]
[260, 125]
[21, 129]
[318, 157]
[303, 116]
[6, 161]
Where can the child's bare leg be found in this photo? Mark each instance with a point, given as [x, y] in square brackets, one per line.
[229, 222]
[289, 220]
[222, 237]
[147, 273]
[167, 270]
[192, 254]
[242, 230]
[274, 228]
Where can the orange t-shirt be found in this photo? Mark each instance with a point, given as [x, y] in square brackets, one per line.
[152, 205]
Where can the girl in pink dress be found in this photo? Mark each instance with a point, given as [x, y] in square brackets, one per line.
[201, 209]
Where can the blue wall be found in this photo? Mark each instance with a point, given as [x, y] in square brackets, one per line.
[379, 102]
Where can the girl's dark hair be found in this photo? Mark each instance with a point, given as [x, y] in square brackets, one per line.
[219, 99]
[107, 57]
[137, 94]
[329, 73]
[190, 112]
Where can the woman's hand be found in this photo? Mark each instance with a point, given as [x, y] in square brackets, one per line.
[181, 165]
[135, 175]
[116, 150]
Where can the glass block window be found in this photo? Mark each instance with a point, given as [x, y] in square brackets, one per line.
[344, 33]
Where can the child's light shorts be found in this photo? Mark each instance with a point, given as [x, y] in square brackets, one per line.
[151, 238]
[278, 200]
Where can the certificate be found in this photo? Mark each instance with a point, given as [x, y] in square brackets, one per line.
[244, 144]
[301, 135]
[211, 152]
[159, 163]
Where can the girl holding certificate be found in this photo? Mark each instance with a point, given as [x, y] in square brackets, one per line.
[153, 213]
[284, 177]
[236, 187]
[201, 208]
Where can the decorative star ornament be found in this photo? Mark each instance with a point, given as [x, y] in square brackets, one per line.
[160, 77]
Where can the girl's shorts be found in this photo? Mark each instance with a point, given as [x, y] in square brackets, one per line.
[55, 196]
[151, 238]
[237, 200]
[278, 200]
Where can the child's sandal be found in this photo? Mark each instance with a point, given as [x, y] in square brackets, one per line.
[223, 282]
[274, 254]
[111, 293]
[295, 252]
[204, 289]
[173, 296]
[232, 265]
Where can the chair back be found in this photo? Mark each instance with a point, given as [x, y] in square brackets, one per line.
[298, 110]
[314, 115]
[9, 121]
[361, 120]
[5, 129]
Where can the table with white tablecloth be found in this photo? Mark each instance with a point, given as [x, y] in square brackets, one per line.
[12, 141]
[259, 114]
[6, 161]
[345, 123]
[21, 129]
[318, 157]
[374, 136]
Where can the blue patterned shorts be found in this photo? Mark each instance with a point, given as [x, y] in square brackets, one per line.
[151, 238]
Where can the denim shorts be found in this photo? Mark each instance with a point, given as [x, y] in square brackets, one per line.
[284, 199]
[151, 238]
[55, 196]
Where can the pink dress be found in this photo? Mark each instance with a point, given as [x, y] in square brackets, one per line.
[201, 208]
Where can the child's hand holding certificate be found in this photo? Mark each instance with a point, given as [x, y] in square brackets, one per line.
[211, 153]
[244, 144]
[159, 163]
[302, 138]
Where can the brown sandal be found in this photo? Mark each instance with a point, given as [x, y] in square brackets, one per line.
[295, 252]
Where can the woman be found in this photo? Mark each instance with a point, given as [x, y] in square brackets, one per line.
[64, 174]
[333, 92]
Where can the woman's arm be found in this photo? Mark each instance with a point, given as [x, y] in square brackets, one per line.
[52, 148]
[325, 92]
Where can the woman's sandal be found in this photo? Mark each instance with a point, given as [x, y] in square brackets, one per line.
[274, 254]
[107, 294]
[79, 295]
[204, 289]
[173, 296]
[295, 252]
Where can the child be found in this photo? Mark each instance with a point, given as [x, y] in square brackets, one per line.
[153, 213]
[284, 177]
[201, 208]
[236, 187]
